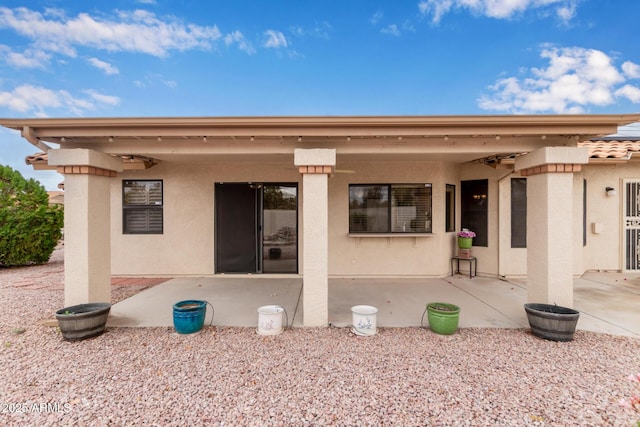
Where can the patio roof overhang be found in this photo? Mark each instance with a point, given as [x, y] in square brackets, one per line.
[148, 140]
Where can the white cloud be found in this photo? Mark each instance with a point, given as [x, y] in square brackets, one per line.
[30, 58]
[28, 98]
[436, 7]
[632, 93]
[391, 30]
[104, 66]
[236, 37]
[631, 70]
[37, 100]
[575, 79]
[138, 31]
[154, 80]
[376, 18]
[499, 9]
[275, 39]
[321, 30]
[102, 98]
[567, 12]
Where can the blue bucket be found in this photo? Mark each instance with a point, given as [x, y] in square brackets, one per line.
[188, 316]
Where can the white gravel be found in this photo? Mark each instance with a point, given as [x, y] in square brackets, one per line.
[308, 376]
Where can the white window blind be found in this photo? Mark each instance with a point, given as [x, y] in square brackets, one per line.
[390, 208]
[142, 207]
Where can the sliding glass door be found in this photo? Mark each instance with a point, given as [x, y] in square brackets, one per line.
[256, 228]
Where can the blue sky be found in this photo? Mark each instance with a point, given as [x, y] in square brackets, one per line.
[324, 57]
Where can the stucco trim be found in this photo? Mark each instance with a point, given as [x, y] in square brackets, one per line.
[85, 170]
[552, 168]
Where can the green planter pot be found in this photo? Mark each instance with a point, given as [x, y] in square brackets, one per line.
[443, 317]
[465, 242]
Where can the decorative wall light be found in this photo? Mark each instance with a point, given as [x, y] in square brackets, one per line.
[610, 191]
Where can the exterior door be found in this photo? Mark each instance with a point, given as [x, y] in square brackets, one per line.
[631, 225]
[236, 228]
[256, 228]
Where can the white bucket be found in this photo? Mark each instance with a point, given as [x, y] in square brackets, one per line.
[364, 319]
[270, 319]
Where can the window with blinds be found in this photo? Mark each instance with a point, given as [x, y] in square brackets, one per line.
[390, 208]
[142, 207]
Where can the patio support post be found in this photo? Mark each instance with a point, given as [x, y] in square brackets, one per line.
[315, 165]
[550, 216]
[87, 224]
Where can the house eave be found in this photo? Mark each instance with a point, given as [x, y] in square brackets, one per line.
[360, 126]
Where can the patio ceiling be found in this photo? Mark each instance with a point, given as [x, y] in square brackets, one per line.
[356, 138]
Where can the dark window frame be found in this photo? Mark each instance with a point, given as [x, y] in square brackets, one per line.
[450, 208]
[518, 212]
[387, 202]
[129, 208]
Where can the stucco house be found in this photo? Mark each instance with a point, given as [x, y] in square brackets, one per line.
[548, 196]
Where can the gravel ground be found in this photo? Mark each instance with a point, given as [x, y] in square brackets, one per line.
[307, 376]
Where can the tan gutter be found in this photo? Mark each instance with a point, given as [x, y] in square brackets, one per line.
[27, 134]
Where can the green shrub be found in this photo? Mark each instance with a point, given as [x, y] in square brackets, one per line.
[29, 227]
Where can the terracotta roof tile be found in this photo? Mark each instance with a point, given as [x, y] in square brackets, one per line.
[611, 149]
[37, 158]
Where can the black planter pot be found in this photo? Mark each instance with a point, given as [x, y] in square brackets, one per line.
[552, 322]
[79, 322]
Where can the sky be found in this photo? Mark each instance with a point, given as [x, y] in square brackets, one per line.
[119, 58]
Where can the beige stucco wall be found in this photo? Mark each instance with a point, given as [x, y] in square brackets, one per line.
[604, 250]
[397, 255]
[187, 245]
[512, 262]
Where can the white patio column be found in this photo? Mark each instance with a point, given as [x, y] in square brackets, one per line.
[550, 216]
[87, 223]
[315, 165]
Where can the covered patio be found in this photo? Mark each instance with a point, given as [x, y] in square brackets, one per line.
[148, 197]
[606, 301]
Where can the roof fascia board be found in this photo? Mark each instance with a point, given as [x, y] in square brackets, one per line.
[324, 126]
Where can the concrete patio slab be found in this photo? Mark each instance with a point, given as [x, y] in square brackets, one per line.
[608, 302]
[235, 300]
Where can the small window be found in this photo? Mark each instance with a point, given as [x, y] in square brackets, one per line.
[142, 207]
[450, 208]
[518, 212]
[390, 208]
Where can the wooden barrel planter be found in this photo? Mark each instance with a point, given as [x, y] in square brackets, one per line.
[79, 322]
[552, 322]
